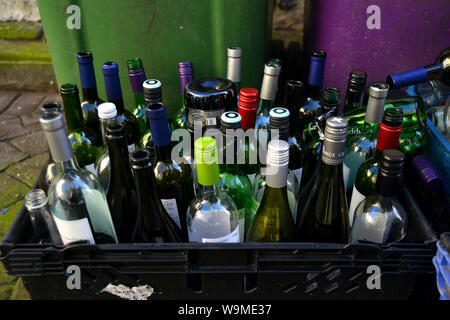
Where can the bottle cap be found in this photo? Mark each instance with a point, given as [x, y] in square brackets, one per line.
[248, 106]
[136, 74]
[152, 91]
[85, 57]
[113, 88]
[107, 110]
[140, 159]
[115, 130]
[207, 162]
[56, 134]
[430, 177]
[317, 68]
[357, 78]
[334, 141]
[159, 124]
[230, 120]
[277, 163]
[330, 98]
[378, 92]
[86, 69]
[389, 178]
[185, 74]
[51, 107]
[234, 64]
[270, 81]
[393, 117]
[35, 199]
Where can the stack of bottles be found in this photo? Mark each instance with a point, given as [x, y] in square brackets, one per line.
[231, 164]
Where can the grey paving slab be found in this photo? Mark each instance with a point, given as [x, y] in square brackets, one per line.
[26, 103]
[32, 144]
[9, 155]
[11, 128]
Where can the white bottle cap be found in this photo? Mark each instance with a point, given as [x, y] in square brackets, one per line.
[107, 110]
[277, 163]
[151, 84]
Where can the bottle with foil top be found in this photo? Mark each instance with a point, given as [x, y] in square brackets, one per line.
[325, 217]
[363, 146]
[212, 215]
[234, 64]
[267, 94]
[76, 198]
[185, 75]
[380, 218]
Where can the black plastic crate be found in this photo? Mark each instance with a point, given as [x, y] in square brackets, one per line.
[226, 271]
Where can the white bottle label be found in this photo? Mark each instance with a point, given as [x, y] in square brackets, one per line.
[298, 173]
[211, 121]
[171, 207]
[91, 169]
[232, 237]
[357, 198]
[241, 217]
[74, 230]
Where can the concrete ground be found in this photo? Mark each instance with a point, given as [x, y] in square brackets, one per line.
[23, 152]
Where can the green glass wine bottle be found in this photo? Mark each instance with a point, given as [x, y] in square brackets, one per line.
[273, 221]
[325, 217]
[185, 76]
[355, 90]
[267, 95]
[85, 142]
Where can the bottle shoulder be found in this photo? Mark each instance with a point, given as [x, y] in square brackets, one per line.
[75, 181]
[217, 201]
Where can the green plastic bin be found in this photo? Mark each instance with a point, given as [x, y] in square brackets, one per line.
[162, 33]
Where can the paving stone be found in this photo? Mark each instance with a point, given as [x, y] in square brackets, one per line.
[19, 292]
[26, 103]
[31, 121]
[9, 212]
[28, 171]
[32, 144]
[11, 128]
[9, 155]
[6, 98]
[11, 191]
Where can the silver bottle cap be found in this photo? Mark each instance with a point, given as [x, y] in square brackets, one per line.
[234, 64]
[277, 163]
[270, 81]
[55, 131]
[378, 92]
[334, 141]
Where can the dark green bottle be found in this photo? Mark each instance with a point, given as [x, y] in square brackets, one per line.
[90, 100]
[153, 222]
[325, 217]
[355, 90]
[86, 144]
[273, 221]
[121, 194]
[173, 180]
[114, 95]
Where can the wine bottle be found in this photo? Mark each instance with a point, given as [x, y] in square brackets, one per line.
[247, 108]
[86, 143]
[273, 221]
[173, 180]
[152, 91]
[311, 108]
[137, 77]
[279, 130]
[48, 171]
[234, 66]
[366, 176]
[212, 215]
[185, 75]
[380, 217]
[233, 180]
[90, 100]
[121, 194]
[212, 95]
[42, 222]
[153, 222]
[294, 98]
[114, 95]
[76, 198]
[362, 147]
[325, 217]
[355, 90]
[107, 114]
[267, 95]
[440, 70]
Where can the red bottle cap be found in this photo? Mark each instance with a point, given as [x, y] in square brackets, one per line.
[247, 107]
[388, 137]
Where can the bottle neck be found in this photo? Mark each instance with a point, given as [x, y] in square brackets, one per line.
[139, 101]
[207, 192]
[88, 82]
[67, 165]
[265, 106]
[72, 112]
[163, 153]
[90, 94]
[314, 92]
[353, 98]
[119, 105]
[118, 155]
[276, 176]
[388, 137]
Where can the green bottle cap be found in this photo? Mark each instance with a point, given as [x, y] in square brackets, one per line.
[206, 159]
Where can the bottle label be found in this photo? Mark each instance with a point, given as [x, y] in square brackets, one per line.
[241, 217]
[211, 116]
[232, 237]
[357, 198]
[298, 173]
[171, 207]
[91, 169]
[74, 230]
